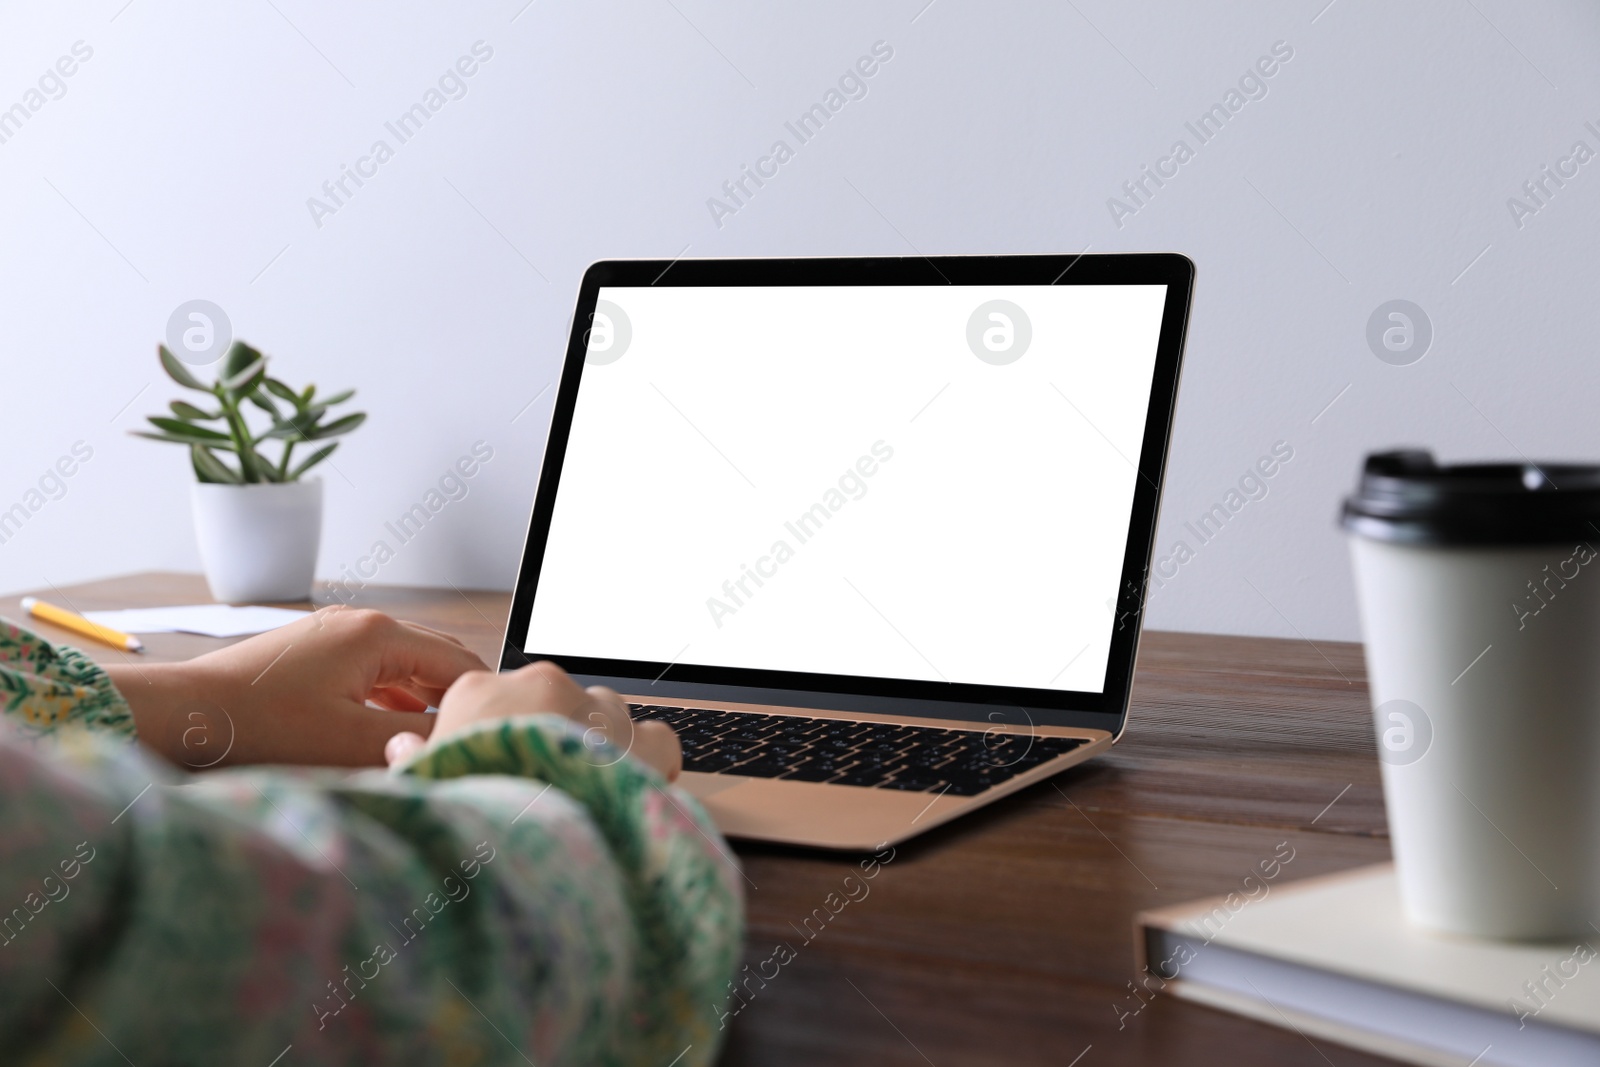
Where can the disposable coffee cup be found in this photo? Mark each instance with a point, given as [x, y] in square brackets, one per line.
[1479, 594]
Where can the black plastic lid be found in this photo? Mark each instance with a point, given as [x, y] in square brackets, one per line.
[1406, 497]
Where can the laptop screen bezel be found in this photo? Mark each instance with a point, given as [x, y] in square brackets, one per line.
[678, 682]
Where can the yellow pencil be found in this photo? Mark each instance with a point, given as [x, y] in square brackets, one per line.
[71, 620]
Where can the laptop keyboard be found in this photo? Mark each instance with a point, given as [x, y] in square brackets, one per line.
[872, 755]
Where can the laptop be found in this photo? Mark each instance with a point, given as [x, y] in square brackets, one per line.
[871, 534]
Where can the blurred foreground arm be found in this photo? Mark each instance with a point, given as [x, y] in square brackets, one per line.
[520, 890]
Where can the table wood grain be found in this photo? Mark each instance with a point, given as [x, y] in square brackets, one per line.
[1006, 937]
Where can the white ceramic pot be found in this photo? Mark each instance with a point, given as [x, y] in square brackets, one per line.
[259, 542]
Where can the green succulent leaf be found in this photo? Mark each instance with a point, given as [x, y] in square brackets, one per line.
[208, 468]
[268, 472]
[186, 439]
[240, 356]
[312, 460]
[294, 428]
[337, 427]
[178, 372]
[265, 403]
[179, 428]
[337, 398]
[283, 392]
[185, 410]
[247, 379]
[306, 418]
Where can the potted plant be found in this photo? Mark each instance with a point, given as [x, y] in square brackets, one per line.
[258, 519]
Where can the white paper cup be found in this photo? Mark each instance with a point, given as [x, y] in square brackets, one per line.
[1479, 591]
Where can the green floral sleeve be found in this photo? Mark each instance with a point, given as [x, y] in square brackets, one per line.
[680, 880]
[45, 687]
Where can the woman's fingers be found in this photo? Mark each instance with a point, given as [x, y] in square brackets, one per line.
[398, 698]
[654, 743]
[549, 688]
[545, 688]
[421, 660]
[657, 745]
[402, 746]
[452, 638]
[479, 694]
[427, 696]
[606, 703]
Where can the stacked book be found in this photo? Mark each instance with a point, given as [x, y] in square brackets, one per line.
[1334, 958]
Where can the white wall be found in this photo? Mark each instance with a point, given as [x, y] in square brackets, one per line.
[179, 161]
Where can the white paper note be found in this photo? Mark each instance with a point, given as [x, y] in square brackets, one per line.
[210, 620]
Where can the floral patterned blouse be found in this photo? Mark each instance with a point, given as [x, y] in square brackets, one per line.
[509, 897]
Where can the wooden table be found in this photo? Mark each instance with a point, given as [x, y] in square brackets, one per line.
[1006, 937]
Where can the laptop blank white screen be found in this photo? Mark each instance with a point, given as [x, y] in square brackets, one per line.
[909, 482]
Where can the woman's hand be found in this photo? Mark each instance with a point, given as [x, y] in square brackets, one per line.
[544, 687]
[297, 694]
